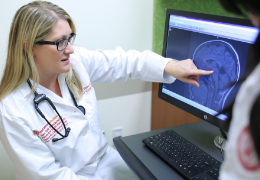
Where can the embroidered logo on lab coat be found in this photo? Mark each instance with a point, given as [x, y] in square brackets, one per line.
[87, 88]
[245, 150]
[47, 133]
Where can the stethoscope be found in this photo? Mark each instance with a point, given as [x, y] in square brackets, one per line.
[42, 97]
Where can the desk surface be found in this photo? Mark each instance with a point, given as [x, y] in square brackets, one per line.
[201, 134]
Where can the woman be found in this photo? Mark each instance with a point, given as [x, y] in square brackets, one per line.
[63, 140]
[242, 152]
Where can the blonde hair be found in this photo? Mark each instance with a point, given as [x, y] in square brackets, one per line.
[32, 23]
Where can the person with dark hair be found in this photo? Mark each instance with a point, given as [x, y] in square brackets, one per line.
[242, 151]
[49, 123]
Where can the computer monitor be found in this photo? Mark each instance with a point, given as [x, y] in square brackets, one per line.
[214, 43]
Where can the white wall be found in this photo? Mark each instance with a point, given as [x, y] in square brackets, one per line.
[134, 117]
[102, 24]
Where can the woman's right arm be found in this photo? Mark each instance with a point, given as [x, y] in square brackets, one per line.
[31, 157]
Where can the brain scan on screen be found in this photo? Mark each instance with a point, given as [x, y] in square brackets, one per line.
[222, 58]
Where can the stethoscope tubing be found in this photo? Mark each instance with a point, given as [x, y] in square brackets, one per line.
[42, 97]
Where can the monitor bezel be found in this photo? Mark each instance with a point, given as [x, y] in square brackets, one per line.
[182, 105]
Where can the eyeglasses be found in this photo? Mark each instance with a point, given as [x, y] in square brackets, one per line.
[62, 44]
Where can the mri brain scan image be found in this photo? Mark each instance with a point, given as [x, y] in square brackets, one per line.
[222, 58]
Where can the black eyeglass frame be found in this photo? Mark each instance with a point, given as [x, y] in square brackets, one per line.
[72, 35]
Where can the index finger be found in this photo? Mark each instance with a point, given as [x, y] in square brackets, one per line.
[202, 72]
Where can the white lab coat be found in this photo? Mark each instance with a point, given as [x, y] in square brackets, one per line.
[241, 161]
[84, 154]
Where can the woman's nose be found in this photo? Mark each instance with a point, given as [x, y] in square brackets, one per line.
[69, 49]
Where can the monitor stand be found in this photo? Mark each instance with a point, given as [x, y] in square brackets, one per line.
[220, 140]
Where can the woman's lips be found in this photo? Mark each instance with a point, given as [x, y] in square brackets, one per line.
[65, 60]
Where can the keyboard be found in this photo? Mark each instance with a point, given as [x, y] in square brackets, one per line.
[184, 157]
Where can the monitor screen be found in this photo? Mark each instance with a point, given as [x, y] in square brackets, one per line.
[221, 44]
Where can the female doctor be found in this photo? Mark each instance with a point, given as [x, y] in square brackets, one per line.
[49, 122]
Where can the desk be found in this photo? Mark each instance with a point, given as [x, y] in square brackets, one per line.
[147, 166]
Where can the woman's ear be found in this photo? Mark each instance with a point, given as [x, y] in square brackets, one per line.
[25, 47]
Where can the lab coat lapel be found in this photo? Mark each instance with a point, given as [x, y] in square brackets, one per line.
[52, 96]
[65, 99]
[64, 89]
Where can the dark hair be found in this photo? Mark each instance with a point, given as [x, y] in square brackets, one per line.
[241, 7]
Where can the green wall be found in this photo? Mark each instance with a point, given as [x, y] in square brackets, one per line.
[160, 6]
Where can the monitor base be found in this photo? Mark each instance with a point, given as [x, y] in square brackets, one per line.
[220, 142]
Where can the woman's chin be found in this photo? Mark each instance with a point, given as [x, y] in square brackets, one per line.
[65, 69]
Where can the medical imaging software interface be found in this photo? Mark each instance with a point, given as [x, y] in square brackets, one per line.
[211, 45]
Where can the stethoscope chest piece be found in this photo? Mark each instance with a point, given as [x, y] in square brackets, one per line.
[82, 109]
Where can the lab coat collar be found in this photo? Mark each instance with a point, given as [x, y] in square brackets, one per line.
[65, 99]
